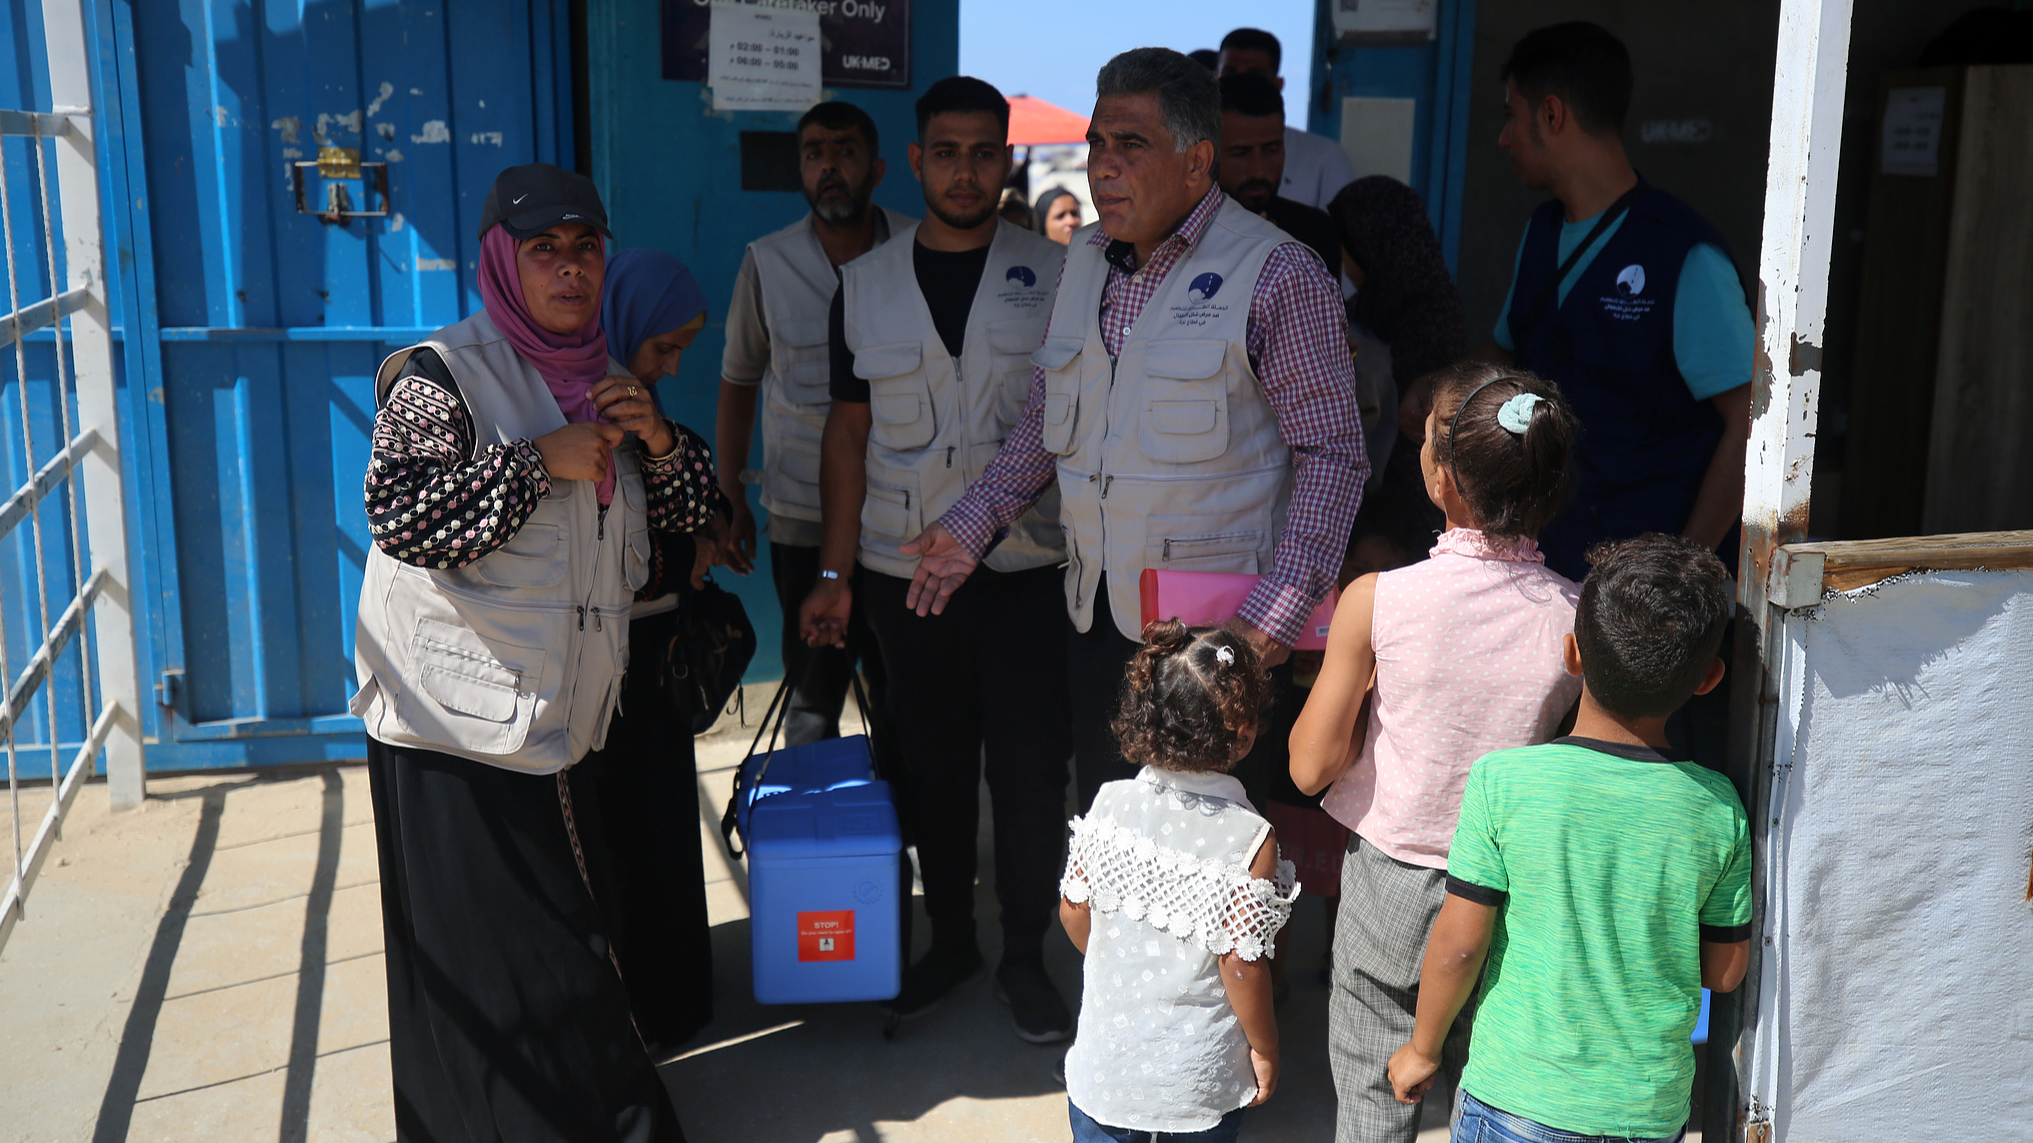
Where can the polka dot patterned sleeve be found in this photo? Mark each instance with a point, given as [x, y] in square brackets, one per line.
[682, 491]
[433, 503]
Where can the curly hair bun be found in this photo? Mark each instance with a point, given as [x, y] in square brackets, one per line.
[1189, 696]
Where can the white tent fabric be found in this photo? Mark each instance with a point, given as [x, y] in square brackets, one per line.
[1898, 987]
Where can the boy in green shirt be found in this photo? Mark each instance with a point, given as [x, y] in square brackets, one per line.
[1604, 883]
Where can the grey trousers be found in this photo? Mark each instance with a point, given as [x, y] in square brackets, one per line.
[1387, 911]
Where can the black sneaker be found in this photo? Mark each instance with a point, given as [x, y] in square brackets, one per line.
[927, 982]
[1041, 1017]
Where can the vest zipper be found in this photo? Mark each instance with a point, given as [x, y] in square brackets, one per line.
[1168, 550]
[598, 627]
[949, 456]
[582, 617]
[1105, 484]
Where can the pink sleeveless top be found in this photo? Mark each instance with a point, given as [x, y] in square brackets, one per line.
[1468, 651]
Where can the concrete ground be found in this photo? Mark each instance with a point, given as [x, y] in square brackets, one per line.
[209, 967]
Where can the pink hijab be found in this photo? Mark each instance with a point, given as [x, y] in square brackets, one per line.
[571, 363]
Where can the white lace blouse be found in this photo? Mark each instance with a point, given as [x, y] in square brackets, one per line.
[1163, 863]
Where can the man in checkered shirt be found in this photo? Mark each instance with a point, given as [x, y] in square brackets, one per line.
[1194, 400]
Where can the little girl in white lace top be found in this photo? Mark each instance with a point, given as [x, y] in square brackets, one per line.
[1174, 892]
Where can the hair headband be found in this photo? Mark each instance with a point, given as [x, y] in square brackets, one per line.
[1514, 417]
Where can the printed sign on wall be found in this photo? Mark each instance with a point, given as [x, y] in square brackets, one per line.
[1912, 143]
[863, 43]
[763, 59]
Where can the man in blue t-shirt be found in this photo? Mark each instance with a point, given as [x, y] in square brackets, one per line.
[1647, 331]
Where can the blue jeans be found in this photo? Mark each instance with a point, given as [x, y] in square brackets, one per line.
[1481, 1123]
[1085, 1130]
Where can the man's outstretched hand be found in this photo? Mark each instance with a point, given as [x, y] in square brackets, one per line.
[943, 565]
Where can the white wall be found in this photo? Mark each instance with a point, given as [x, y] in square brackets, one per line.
[1898, 998]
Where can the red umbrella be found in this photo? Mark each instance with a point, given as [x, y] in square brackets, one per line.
[1032, 121]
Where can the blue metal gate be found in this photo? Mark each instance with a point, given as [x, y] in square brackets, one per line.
[305, 183]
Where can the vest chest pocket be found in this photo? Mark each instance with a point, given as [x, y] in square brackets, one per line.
[1183, 418]
[800, 357]
[473, 693]
[536, 556]
[635, 555]
[899, 400]
[1060, 359]
[1011, 343]
[637, 560]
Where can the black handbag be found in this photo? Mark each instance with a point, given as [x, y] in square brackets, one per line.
[709, 653]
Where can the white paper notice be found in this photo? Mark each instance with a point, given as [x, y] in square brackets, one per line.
[1912, 144]
[763, 59]
[1397, 19]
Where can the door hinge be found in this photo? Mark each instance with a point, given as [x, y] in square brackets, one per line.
[169, 688]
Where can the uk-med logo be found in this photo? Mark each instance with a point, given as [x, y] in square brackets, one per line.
[1631, 281]
[1022, 274]
[1204, 287]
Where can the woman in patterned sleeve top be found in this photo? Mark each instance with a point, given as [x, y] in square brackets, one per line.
[426, 467]
[519, 478]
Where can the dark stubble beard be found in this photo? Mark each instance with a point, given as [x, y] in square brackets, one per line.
[964, 221]
[1256, 194]
[839, 212]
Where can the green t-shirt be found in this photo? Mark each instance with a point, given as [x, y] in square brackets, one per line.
[1610, 865]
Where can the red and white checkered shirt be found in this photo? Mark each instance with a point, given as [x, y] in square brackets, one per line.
[1298, 340]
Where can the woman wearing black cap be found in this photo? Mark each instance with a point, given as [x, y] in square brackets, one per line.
[517, 471]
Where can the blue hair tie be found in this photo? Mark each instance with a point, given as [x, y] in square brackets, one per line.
[1516, 414]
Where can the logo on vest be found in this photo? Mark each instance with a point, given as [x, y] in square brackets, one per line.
[1204, 287]
[1021, 290]
[1628, 304]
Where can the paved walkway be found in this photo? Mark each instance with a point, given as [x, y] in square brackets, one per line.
[209, 968]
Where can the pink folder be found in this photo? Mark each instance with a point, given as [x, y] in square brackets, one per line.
[1210, 599]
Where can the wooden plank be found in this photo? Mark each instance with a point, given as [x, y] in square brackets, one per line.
[1848, 564]
[1979, 472]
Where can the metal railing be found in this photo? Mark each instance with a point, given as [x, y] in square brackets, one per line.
[88, 461]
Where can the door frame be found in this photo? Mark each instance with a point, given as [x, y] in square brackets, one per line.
[174, 742]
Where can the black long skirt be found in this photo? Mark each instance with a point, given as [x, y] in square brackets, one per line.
[507, 1021]
[636, 801]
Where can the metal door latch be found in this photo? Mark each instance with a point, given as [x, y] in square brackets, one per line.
[336, 165]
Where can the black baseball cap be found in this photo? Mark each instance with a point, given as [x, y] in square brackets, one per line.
[526, 200]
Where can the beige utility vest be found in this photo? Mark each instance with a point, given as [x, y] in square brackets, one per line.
[516, 659]
[798, 282]
[1169, 455]
[937, 420]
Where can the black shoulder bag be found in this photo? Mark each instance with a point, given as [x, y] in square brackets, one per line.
[710, 650]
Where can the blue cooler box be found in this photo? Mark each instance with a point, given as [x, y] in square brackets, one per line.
[823, 875]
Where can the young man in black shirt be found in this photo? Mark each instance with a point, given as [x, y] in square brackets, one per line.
[931, 343]
[1252, 163]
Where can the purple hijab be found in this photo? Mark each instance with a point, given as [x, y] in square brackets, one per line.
[571, 363]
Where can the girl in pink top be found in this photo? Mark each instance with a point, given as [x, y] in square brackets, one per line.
[1429, 667]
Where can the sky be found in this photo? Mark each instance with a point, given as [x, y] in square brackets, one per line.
[1052, 48]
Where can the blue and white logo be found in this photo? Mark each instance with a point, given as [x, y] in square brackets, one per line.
[1022, 274]
[1204, 287]
[1631, 280]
